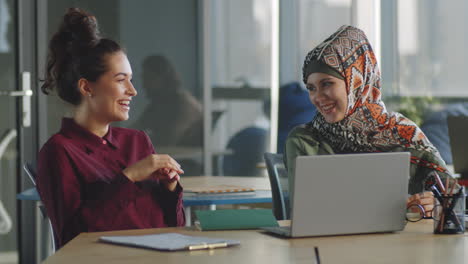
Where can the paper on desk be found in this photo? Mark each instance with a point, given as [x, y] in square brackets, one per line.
[165, 242]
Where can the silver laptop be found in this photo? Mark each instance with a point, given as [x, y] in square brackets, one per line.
[348, 194]
[458, 128]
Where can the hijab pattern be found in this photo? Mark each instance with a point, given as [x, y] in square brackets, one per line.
[367, 126]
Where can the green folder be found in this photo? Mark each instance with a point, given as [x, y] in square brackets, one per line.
[235, 219]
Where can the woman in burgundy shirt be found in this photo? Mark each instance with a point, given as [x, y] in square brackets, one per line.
[91, 176]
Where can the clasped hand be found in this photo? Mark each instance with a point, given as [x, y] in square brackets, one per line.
[159, 166]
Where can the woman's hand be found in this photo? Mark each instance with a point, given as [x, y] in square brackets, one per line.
[151, 166]
[425, 199]
[169, 178]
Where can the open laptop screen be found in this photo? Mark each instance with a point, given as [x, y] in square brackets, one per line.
[458, 135]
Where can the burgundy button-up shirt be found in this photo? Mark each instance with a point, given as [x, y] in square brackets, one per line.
[82, 186]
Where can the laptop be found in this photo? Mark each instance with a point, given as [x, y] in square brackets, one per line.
[458, 130]
[348, 194]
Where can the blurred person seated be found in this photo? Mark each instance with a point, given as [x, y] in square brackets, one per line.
[174, 118]
[436, 129]
[184, 124]
[248, 146]
[295, 109]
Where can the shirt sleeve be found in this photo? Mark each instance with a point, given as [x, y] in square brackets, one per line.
[172, 205]
[60, 192]
[170, 202]
[296, 146]
[60, 189]
[301, 142]
[419, 173]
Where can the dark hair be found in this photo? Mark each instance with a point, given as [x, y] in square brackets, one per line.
[76, 51]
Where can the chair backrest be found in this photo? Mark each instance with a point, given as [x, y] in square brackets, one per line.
[30, 170]
[279, 184]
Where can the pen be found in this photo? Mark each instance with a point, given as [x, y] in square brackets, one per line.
[206, 245]
[439, 181]
[317, 256]
[437, 194]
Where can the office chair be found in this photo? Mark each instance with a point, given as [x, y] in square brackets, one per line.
[31, 172]
[279, 184]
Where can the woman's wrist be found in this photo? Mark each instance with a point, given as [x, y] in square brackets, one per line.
[170, 186]
[128, 173]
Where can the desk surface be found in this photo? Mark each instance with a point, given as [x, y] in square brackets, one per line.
[262, 184]
[416, 244]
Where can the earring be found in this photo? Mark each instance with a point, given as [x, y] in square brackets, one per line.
[89, 94]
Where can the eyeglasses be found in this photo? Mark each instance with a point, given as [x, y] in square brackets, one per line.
[416, 212]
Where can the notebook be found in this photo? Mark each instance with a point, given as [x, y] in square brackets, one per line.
[348, 194]
[230, 219]
[219, 189]
[169, 242]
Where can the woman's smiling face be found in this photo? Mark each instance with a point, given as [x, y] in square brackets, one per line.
[329, 95]
[113, 91]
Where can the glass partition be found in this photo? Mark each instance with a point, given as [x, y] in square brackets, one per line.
[429, 66]
[161, 41]
[164, 43]
[240, 69]
[8, 133]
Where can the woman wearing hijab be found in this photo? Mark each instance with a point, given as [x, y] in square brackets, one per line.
[343, 80]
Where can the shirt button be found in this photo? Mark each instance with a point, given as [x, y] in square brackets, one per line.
[104, 142]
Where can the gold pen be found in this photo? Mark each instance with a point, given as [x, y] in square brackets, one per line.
[206, 245]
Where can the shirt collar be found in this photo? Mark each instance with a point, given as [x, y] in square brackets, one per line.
[112, 140]
[71, 129]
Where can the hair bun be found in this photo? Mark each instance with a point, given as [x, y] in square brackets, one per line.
[76, 51]
[80, 27]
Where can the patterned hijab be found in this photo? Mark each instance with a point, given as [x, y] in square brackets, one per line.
[367, 126]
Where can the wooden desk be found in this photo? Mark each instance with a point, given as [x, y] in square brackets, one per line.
[263, 195]
[416, 244]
